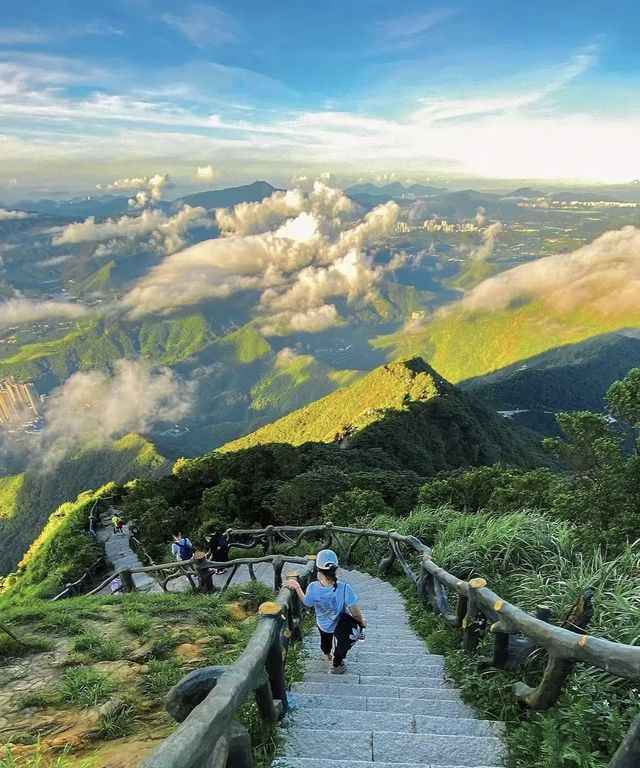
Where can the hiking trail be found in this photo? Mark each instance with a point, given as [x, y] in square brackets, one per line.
[394, 706]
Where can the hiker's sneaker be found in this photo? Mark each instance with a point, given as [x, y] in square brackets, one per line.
[326, 657]
[339, 670]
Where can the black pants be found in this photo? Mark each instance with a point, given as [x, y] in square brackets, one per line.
[342, 646]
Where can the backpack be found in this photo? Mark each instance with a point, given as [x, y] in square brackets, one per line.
[186, 550]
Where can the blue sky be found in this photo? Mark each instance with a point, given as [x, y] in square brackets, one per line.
[91, 92]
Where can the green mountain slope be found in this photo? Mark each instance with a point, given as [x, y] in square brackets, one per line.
[97, 343]
[462, 344]
[407, 411]
[571, 378]
[28, 499]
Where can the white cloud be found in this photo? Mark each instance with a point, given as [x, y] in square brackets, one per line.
[312, 255]
[92, 408]
[18, 311]
[206, 173]
[147, 189]
[485, 249]
[161, 232]
[601, 278]
[204, 25]
[249, 218]
[6, 215]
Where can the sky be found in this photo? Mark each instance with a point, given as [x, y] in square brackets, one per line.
[220, 93]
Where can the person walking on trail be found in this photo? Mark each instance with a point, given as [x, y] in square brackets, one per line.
[182, 548]
[337, 614]
[218, 550]
[114, 523]
[120, 525]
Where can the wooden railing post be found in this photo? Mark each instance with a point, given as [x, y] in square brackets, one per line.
[205, 579]
[271, 541]
[278, 565]
[386, 564]
[126, 577]
[628, 753]
[328, 542]
[274, 663]
[295, 613]
[472, 622]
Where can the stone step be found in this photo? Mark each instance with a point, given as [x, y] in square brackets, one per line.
[353, 678]
[310, 762]
[422, 668]
[407, 722]
[362, 652]
[379, 690]
[328, 702]
[394, 747]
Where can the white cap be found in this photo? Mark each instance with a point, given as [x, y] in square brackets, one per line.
[326, 558]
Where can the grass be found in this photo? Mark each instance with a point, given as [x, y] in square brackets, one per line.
[120, 721]
[29, 644]
[138, 624]
[39, 760]
[529, 559]
[161, 675]
[97, 647]
[85, 687]
[40, 699]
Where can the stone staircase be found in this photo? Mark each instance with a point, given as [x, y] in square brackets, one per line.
[393, 707]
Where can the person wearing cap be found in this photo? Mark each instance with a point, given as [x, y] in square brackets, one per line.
[337, 614]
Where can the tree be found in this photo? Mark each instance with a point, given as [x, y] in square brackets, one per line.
[355, 508]
[623, 401]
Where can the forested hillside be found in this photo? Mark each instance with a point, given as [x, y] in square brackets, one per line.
[27, 500]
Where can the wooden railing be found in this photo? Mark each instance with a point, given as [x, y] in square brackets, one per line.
[74, 588]
[477, 608]
[206, 702]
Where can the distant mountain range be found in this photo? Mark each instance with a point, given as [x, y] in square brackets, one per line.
[224, 198]
[395, 189]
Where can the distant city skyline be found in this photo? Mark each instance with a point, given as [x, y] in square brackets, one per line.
[213, 94]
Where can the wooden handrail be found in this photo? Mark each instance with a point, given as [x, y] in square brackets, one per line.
[209, 728]
[477, 607]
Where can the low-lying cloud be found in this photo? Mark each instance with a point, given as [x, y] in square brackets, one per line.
[145, 189]
[9, 215]
[20, 311]
[483, 251]
[250, 218]
[153, 230]
[206, 173]
[92, 408]
[311, 252]
[602, 277]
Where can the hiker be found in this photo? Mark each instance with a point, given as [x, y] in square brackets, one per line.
[120, 525]
[116, 586]
[114, 523]
[337, 613]
[218, 548]
[182, 548]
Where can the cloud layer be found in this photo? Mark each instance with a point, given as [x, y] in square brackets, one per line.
[6, 215]
[18, 311]
[602, 277]
[298, 253]
[93, 408]
[153, 230]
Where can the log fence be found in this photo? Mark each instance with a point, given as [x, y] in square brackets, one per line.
[206, 701]
[209, 727]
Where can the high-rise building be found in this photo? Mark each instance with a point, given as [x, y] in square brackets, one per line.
[18, 402]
